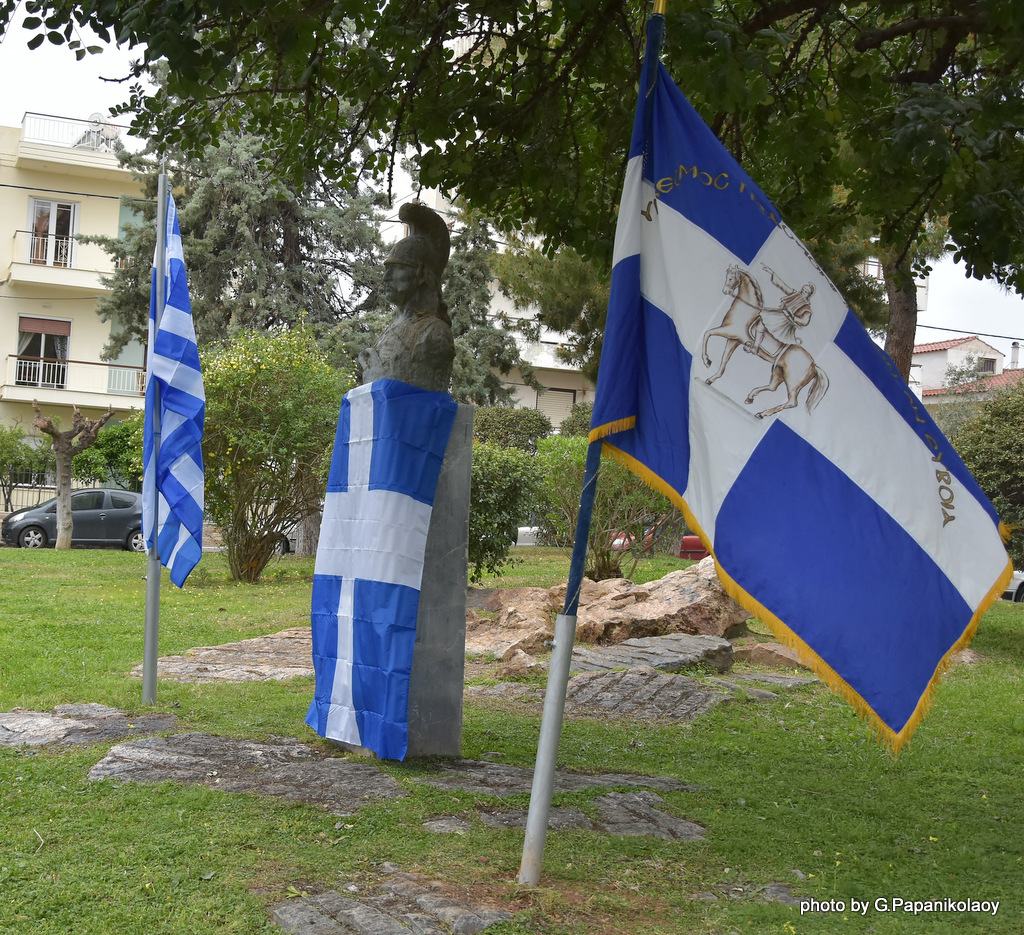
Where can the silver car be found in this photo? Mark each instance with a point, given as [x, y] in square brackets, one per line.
[100, 517]
[1015, 589]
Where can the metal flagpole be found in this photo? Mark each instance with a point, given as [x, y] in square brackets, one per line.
[149, 649]
[558, 680]
[558, 673]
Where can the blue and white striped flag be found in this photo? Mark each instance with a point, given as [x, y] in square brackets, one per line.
[735, 379]
[175, 406]
[366, 585]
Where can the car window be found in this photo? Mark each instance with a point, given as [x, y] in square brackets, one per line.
[121, 501]
[87, 500]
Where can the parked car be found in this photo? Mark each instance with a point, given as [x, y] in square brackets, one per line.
[1015, 589]
[101, 518]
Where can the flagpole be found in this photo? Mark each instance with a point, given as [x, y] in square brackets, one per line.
[150, 653]
[558, 680]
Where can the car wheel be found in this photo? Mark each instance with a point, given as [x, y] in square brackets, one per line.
[1018, 597]
[136, 541]
[32, 538]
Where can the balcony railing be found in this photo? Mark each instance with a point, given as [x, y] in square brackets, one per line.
[77, 376]
[99, 135]
[60, 251]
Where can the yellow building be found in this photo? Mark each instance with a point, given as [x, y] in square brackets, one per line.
[59, 180]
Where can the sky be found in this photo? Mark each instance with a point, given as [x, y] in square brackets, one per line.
[49, 80]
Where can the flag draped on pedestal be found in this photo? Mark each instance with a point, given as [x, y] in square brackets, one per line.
[387, 458]
[175, 406]
[735, 379]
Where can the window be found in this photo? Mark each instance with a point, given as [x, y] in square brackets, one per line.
[986, 365]
[42, 352]
[52, 232]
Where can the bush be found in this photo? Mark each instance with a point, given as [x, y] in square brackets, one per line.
[578, 421]
[622, 504]
[510, 428]
[271, 415]
[504, 487]
[992, 446]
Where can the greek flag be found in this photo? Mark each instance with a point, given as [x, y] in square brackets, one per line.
[366, 584]
[735, 379]
[175, 405]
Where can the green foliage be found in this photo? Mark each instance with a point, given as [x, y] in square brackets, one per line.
[567, 292]
[261, 252]
[622, 504]
[15, 457]
[992, 446]
[119, 446]
[578, 421]
[506, 427]
[503, 490]
[271, 411]
[481, 345]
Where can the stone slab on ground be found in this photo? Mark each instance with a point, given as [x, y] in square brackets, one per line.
[641, 692]
[76, 724]
[672, 653]
[286, 769]
[499, 779]
[624, 814]
[278, 656]
[404, 904]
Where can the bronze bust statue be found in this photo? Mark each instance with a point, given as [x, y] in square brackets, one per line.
[417, 346]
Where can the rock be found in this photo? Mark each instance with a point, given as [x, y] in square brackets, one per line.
[773, 655]
[447, 824]
[523, 620]
[518, 662]
[278, 656]
[590, 591]
[76, 724]
[691, 600]
[672, 653]
[286, 769]
[641, 692]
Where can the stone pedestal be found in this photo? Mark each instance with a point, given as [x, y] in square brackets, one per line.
[439, 657]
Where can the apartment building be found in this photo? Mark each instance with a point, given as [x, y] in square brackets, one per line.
[60, 180]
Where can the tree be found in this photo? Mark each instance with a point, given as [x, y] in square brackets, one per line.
[578, 421]
[14, 454]
[963, 388]
[262, 252]
[482, 346]
[992, 447]
[912, 110]
[624, 506]
[511, 428]
[68, 443]
[271, 411]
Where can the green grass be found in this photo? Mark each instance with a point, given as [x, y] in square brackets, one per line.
[795, 784]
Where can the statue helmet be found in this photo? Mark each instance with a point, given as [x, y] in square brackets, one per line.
[428, 242]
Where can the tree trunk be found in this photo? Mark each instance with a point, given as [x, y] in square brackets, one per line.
[899, 338]
[307, 535]
[66, 444]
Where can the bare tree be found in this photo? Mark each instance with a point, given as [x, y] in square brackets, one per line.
[67, 444]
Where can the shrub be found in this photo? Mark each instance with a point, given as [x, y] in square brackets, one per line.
[623, 504]
[578, 421]
[510, 428]
[271, 414]
[504, 488]
[992, 446]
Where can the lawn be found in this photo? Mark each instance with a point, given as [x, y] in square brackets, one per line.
[794, 790]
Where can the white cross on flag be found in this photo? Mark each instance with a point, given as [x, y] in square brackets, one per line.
[380, 492]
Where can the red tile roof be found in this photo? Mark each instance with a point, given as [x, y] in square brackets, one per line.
[997, 381]
[943, 345]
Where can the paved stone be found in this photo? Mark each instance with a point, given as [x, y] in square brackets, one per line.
[285, 769]
[775, 679]
[278, 656]
[447, 824]
[76, 724]
[501, 779]
[401, 905]
[641, 692]
[672, 653]
[624, 814]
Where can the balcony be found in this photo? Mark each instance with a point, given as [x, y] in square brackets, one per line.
[57, 260]
[68, 146]
[72, 382]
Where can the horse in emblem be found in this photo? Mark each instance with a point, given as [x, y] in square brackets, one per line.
[744, 326]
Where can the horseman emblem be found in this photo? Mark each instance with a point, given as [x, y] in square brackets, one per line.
[771, 334]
